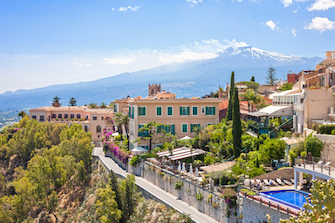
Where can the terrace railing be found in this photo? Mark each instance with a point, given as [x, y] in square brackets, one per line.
[316, 164]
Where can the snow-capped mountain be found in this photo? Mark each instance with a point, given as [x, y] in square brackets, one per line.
[195, 78]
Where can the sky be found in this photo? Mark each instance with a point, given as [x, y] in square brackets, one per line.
[55, 42]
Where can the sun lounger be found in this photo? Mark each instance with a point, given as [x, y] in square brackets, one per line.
[327, 166]
[319, 163]
[259, 184]
[280, 182]
[292, 181]
[287, 182]
[266, 182]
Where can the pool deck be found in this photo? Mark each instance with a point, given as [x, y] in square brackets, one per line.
[325, 173]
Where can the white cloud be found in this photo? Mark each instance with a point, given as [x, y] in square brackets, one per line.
[294, 32]
[185, 56]
[289, 2]
[120, 60]
[295, 11]
[113, 9]
[271, 24]
[124, 9]
[89, 65]
[322, 5]
[192, 3]
[322, 24]
[236, 44]
[76, 63]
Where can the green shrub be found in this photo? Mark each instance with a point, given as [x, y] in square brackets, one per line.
[326, 129]
[178, 185]
[199, 196]
[333, 132]
[134, 160]
[313, 145]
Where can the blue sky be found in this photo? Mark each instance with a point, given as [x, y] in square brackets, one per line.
[54, 42]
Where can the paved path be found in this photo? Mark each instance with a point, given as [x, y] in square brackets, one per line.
[158, 192]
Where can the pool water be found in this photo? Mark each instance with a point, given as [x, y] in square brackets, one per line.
[291, 198]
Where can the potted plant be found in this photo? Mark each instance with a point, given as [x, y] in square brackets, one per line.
[55, 102]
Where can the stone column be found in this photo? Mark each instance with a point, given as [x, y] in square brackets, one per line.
[295, 179]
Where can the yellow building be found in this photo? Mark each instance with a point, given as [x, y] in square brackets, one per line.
[180, 115]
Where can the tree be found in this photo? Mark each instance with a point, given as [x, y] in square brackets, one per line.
[118, 119]
[73, 102]
[229, 115]
[129, 201]
[103, 105]
[237, 127]
[149, 130]
[272, 149]
[271, 76]
[106, 205]
[55, 99]
[22, 114]
[92, 105]
[321, 207]
[286, 86]
[115, 187]
[253, 78]
[313, 145]
[249, 96]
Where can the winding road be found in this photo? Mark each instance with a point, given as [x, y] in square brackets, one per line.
[158, 192]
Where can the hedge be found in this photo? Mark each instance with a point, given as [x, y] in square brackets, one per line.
[326, 129]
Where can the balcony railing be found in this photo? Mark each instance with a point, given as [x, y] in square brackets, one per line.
[316, 164]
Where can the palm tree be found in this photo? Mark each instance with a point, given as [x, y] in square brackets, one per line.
[103, 105]
[55, 99]
[92, 105]
[118, 121]
[249, 96]
[22, 114]
[73, 102]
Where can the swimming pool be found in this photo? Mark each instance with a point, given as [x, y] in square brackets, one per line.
[291, 198]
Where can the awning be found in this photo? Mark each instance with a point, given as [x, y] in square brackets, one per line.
[181, 153]
[273, 110]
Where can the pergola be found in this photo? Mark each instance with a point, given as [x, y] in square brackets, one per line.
[181, 153]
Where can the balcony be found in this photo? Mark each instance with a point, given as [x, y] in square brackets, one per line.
[299, 107]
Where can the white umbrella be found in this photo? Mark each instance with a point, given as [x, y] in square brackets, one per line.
[184, 169]
[179, 167]
[191, 169]
[185, 138]
[139, 150]
[115, 134]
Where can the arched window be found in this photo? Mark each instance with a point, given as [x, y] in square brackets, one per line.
[86, 128]
[98, 128]
[152, 92]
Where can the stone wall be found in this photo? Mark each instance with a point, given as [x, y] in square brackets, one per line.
[328, 151]
[117, 160]
[253, 212]
[214, 207]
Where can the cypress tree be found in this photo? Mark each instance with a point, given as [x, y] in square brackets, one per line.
[237, 128]
[229, 115]
[115, 187]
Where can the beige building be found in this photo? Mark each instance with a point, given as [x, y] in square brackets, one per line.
[95, 121]
[181, 115]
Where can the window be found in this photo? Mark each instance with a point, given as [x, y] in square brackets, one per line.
[132, 112]
[66, 116]
[41, 118]
[184, 128]
[34, 116]
[98, 128]
[115, 108]
[144, 133]
[202, 109]
[159, 111]
[53, 115]
[94, 118]
[208, 124]
[169, 111]
[86, 128]
[145, 147]
[170, 128]
[78, 115]
[202, 126]
[72, 115]
[142, 111]
[59, 115]
[194, 125]
[210, 110]
[194, 110]
[184, 110]
[102, 118]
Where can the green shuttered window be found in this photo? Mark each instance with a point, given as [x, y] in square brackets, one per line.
[184, 110]
[141, 111]
[184, 128]
[195, 111]
[159, 111]
[194, 125]
[210, 110]
[169, 110]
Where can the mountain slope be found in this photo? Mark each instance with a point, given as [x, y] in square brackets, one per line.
[188, 79]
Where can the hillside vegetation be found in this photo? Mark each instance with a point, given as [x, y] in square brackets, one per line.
[47, 175]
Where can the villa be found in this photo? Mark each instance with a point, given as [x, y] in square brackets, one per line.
[92, 120]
